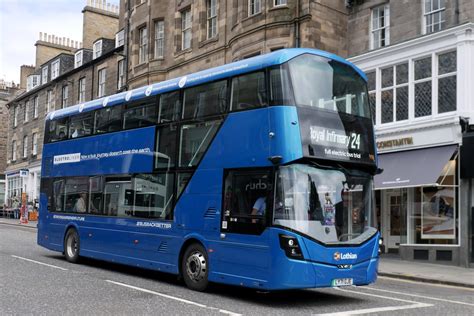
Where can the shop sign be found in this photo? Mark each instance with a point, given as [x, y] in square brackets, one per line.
[24, 173]
[399, 142]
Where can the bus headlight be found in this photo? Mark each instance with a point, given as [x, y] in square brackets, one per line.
[291, 246]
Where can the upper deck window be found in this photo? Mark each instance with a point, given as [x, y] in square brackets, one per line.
[327, 84]
[248, 91]
[205, 100]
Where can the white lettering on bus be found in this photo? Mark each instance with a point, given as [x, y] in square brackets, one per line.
[154, 224]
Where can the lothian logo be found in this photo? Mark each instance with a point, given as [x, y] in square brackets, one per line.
[344, 256]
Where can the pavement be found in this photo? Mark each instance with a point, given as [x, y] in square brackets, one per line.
[389, 266]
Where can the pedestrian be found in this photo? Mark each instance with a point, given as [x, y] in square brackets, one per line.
[16, 207]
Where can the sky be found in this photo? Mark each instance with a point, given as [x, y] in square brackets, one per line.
[20, 24]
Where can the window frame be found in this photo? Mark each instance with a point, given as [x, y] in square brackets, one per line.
[78, 58]
[101, 81]
[432, 13]
[34, 143]
[35, 106]
[15, 116]
[97, 49]
[159, 47]
[212, 21]
[279, 3]
[25, 146]
[55, 69]
[64, 96]
[25, 114]
[44, 74]
[49, 100]
[186, 26]
[254, 7]
[81, 90]
[14, 149]
[120, 74]
[382, 29]
[142, 44]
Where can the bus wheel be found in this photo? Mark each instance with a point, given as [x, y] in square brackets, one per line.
[71, 246]
[195, 267]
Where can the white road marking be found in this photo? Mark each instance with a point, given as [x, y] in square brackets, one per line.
[425, 283]
[44, 264]
[182, 300]
[378, 309]
[420, 296]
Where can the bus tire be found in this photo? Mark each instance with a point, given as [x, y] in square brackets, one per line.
[195, 267]
[72, 246]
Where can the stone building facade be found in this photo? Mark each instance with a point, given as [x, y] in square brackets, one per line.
[66, 74]
[8, 90]
[171, 38]
[418, 56]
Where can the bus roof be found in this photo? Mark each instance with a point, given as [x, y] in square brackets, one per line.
[221, 72]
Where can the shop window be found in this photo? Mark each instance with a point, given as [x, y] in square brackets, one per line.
[247, 200]
[205, 100]
[433, 218]
[248, 91]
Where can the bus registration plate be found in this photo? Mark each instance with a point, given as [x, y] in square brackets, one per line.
[342, 282]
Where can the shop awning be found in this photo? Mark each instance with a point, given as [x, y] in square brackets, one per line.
[421, 167]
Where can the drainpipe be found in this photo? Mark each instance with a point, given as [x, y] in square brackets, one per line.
[456, 12]
[126, 50]
[297, 24]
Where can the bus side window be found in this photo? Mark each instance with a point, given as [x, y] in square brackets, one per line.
[165, 146]
[95, 196]
[141, 114]
[170, 107]
[247, 200]
[195, 139]
[81, 125]
[58, 129]
[248, 91]
[58, 196]
[205, 100]
[152, 196]
[108, 120]
[280, 88]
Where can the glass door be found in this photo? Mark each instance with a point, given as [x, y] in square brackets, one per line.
[395, 212]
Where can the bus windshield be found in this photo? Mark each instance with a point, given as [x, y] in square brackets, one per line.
[329, 205]
[327, 84]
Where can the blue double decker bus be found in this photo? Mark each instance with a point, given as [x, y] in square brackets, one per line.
[257, 173]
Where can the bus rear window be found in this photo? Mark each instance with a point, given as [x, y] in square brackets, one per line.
[330, 85]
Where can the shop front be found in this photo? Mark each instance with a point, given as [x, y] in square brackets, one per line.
[418, 195]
